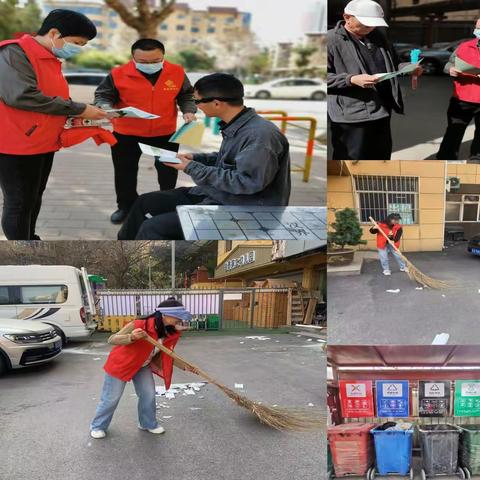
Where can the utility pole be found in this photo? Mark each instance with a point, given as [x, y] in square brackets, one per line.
[173, 263]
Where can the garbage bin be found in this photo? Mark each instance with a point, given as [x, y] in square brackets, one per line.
[470, 449]
[439, 445]
[352, 449]
[393, 450]
[213, 322]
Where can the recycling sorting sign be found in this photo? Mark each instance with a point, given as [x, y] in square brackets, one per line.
[467, 398]
[433, 398]
[392, 398]
[356, 398]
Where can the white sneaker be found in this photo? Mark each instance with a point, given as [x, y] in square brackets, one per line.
[157, 430]
[98, 434]
[404, 269]
[387, 272]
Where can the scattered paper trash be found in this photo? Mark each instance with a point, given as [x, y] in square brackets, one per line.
[239, 385]
[443, 296]
[169, 395]
[393, 291]
[309, 340]
[195, 408]
[311, 405]
[241, 343]
[190, 391]
[167, 416]
[419, 288]
[258, 337]
[97, 358]
[441, 339]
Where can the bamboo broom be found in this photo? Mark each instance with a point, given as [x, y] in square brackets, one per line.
[413, 272]
[295, 419]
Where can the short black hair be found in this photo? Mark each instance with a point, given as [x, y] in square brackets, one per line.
[394, 216]
[221, 85]
[69, 23]
[148, 44]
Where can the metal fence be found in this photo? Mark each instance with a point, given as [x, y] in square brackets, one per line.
[211, 309]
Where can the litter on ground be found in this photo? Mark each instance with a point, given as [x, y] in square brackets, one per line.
[393, 291]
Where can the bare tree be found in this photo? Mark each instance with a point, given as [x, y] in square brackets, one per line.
[145, 19]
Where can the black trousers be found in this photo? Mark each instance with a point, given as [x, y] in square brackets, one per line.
[459, 115]
[23, 179]
[153, 216]
[126, 155]
[362, 141]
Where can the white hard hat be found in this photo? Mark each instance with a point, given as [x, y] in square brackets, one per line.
[367, 12]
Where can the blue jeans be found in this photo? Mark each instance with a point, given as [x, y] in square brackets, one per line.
[383, 255]
[112, 393]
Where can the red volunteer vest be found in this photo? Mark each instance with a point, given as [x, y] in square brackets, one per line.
[125, 361]
[381, 240]
[29, 133]
[468, 88]
[136, 91]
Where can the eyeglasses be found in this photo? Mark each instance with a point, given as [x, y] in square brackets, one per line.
[211, 99]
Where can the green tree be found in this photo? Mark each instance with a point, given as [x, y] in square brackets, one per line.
[193, 60]
[346, 229]
[14, 18]
[303, 56]
[99, 59]
[259, 64]
[143, 17]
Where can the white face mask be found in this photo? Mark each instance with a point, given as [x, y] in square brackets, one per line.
[68, 50]
[476, 32]
[149, 68]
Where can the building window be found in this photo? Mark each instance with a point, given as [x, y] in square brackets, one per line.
[229, 20]
[195, 30]
[378, 196]
[98, 23]
[228, 245]
[462, 208]
[181, 15]
[163, 26]
[88, 10]
[211, 30]
[180, 27]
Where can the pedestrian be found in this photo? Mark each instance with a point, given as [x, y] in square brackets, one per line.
[393, 229]
[154, 85]
[465, 102]
[34, 106]
[359, 106]
[252, 166]
[135, 359]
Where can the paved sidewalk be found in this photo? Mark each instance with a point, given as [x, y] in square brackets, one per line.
[80, 195]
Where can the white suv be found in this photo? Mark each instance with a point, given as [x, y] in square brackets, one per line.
[24, 343]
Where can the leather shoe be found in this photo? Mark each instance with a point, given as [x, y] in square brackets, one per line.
[118, 216]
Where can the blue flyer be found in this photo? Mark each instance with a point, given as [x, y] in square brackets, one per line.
[392, 398]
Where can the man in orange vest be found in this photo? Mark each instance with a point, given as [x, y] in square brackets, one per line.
[156, 86]
[34, 106]
[392, 228]
[465, 102]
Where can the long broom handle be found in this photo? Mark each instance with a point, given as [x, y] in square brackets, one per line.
[385, 235]
[172, 354]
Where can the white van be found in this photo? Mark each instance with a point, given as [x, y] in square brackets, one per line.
[59, 295]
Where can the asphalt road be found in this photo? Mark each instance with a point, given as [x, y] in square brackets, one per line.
[425, 112]
[362, 312]
[45, 414]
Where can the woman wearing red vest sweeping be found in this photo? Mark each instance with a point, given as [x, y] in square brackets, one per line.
[391, 226]
[156, 86]
[133, 358]
[34, 105]
[465, 103]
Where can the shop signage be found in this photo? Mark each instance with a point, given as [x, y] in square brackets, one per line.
[392, 398]
[467, 398]
[433, 398]
[240, 261]
[356, 398]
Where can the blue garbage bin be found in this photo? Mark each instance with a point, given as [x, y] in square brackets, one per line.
[393, 450]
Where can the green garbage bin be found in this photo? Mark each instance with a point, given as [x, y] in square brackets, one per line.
[213, 322]
[470, 449]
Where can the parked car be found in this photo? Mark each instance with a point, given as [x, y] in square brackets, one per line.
[24, 343]
[83, 84]
[289, 88]
[59, 295]
[434, 59]
[474, 245]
